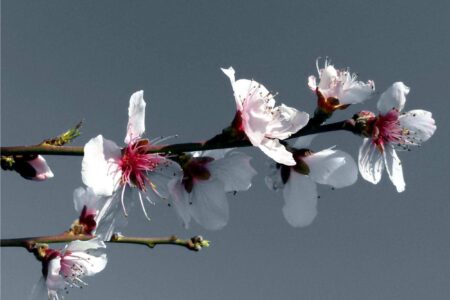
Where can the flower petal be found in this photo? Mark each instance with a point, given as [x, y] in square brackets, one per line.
[370, 162]
[275, 150]
[166, 172]
[286, 121]
[209, 204]
[238, 92]
[332, 167]
[136, 117]
[100, 169]
[394, 168]
[393, 98]
[420, 125]
[180, 200]
[41, 167]
[234, 170]
[312, 82]
[300, 197]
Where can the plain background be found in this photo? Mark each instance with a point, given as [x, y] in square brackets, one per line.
[63, 61]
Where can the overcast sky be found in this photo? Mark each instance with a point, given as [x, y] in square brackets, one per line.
[63, 61]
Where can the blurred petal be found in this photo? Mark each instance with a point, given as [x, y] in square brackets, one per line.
[393, 98]
[100, 169]
[370, 162]
[180, 200]
[275, 150]
[234, 170]
[300, 197]
[209, 204]
[332, 167]
[136, 117]
[394, 168]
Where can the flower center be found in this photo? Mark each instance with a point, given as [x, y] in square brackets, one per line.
[387, 129]
[136, 162]
[195, 169]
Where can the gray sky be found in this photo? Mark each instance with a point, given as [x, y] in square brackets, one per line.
[63, 61]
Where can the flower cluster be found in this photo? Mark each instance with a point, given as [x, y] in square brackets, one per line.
[197, 184]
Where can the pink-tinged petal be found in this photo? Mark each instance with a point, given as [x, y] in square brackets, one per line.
[209, 204]
[234, 170]
[312, 82]
[43, 171]
[180, 201]
[332, 167]
[239, 91]
[300, 197]
[136, 117]
[276, 151]
[286, 121]
[394, 168]
[255, 119]
[304, 142]
[420, 125]
[54, 280]
[393, 98]
[100, 170]
[370, 162]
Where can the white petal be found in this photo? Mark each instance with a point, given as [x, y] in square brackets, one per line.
[90, 264]
[394, 168]
[286, 121]
[300, 196]
[370, 162]
[328, 76]
[86, 197]
[100, 169]
[234, 170]
[393, 98]
[85, 245]
[276, 151]
[41, 167]
[39, 291]
[332, 167]
[312, 82]
[166, 172]
[356, 92]
[54, 280]
[180, 200]
[304, 142]
[209, 204]
[236, 89]
[136, 117]
[111, 217]
[420, 124]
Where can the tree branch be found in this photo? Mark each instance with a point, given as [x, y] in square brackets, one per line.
[195, 243]
[215, 143]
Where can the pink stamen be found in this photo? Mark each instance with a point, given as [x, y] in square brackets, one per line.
[387, 129]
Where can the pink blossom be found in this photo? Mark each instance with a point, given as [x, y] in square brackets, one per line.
[66, 268]
[392, 130]
[107, 168]
[263, 123]
[341, 85]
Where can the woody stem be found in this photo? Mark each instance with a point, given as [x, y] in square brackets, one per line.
[215, 143]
